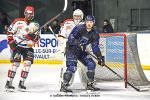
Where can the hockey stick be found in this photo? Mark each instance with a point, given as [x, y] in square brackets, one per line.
[52, 19]
[55, 36]
[114, 72]
[52, 31]
[105, 65]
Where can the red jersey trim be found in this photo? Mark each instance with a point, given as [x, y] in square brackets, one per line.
[19, 19]
[66, 20]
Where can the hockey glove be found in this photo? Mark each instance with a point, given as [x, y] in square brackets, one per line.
[80, 47]
[32, 37]
[12, 44]
[101, 61]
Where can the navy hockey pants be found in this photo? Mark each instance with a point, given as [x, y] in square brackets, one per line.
[82, 56]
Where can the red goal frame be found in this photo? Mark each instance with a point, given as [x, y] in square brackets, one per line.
[125, 51]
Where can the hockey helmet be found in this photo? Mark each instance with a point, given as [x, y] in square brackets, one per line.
[90, 18]
[78, 16]
[29, 12]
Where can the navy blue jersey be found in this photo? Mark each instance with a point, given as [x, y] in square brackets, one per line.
[81, 37]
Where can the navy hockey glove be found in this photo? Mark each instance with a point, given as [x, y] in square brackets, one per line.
[101, 60]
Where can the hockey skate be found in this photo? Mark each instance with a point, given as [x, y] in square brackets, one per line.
[91, 87]
[64, 88]
[9, 86]
[21, 86]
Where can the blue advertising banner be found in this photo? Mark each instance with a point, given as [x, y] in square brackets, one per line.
[115, 49]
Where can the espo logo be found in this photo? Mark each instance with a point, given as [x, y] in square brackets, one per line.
[48, 42]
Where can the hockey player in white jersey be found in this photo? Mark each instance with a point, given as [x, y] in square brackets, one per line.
[66, 28]
[21, 36]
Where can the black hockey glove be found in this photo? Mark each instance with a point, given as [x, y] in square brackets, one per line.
[32, 37]
[101, 61]
[81, 47]
[12, 43]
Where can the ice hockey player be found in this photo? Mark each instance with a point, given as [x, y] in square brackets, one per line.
[66, 28]
[78, 39]
[21, 35]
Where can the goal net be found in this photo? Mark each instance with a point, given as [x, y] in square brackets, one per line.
[121, 56]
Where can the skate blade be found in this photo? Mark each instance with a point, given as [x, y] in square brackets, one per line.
[92, 92]
[66, 91]
[10, 90]
[22, 90]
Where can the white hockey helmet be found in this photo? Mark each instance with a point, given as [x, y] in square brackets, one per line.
[77, 16]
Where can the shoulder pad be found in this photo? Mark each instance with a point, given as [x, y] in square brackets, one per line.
[68, 21]
[19, 19]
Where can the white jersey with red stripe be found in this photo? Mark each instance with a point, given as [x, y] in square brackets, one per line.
[19, 28]
[66, 28]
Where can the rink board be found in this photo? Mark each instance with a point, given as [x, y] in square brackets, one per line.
[45, 52]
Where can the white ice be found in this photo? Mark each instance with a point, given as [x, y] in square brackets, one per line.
[43, 84]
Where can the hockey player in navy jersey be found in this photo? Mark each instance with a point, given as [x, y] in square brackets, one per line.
[79, 38]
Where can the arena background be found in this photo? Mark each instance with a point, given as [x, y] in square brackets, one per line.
[125, 15]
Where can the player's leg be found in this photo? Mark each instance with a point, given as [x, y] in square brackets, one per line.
[71, 63]
[82, 74]
[15, 63]
[63, 69]
[90, 64]
[28, 60]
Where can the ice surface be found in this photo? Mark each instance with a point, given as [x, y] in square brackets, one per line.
[43, 84]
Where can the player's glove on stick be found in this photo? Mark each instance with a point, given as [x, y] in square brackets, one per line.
[12, 44]
[101, 61]
[32, 37]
